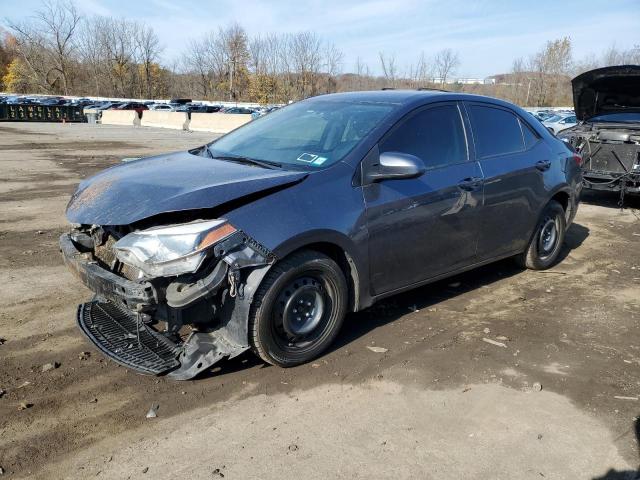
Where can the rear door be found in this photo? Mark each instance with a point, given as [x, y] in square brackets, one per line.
[422, 227]
[514, 160]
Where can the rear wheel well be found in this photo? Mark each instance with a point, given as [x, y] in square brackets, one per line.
[346, 264]
[563, 199]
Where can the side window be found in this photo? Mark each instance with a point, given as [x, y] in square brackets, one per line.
[530, 137]
[435, 135]
[496, 131]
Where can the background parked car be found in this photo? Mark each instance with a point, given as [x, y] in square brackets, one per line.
[561, 122]
[108, 105]
[162, 107]
[262, 111]
[237, 110]
[138, 107]
[608, 136]
[542, 115]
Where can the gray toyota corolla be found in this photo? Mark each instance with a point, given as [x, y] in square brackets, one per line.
[265, 238]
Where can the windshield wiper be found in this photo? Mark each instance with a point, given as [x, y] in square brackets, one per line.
[247, 160]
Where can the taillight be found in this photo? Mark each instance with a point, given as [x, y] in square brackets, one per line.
[578, 159]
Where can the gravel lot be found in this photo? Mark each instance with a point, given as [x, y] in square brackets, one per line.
[442, 402]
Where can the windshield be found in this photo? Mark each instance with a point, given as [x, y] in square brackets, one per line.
[306, 134]
[621, 117]
[553, 118]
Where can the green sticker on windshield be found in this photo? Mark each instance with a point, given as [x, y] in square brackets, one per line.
[319, 160]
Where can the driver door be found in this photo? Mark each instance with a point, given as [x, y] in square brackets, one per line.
[423, 227]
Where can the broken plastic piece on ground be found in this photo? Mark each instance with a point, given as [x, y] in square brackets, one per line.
[153, 411]
[378, 349]
[493, 342]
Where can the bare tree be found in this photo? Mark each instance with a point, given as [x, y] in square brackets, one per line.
[148, 50]
[196, 61]
[233, 44]
[552, 66]
[388, 65]
[446, 62]
[423, 72]
[333, 64]
[47, 45]
[305, 49]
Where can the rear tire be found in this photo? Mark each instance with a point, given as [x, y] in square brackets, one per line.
[544, 247]
[298, 309]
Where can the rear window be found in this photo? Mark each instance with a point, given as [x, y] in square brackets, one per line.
[495, 131]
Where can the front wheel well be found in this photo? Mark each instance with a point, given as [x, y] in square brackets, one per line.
[346, 264]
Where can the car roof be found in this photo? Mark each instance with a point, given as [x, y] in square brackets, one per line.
[409, 98]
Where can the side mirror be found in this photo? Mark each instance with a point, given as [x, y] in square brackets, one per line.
[394, 165]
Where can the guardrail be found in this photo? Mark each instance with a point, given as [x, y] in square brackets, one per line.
[41, 113]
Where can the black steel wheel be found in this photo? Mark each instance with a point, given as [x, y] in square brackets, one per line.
[544, 247]
[298, 309]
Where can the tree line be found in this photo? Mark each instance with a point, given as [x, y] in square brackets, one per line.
[58, 51]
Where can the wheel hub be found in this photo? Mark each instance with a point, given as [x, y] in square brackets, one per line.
[548, 236]
[304, 307]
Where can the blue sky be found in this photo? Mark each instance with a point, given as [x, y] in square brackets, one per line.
[487, 34]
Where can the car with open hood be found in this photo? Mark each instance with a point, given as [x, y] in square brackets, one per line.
[607, 105]
[265, 238]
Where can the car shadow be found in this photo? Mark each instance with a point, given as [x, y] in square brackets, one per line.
[393, 308]
[625, 474]
[575, 236]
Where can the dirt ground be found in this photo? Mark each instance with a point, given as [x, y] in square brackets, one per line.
[441, 402]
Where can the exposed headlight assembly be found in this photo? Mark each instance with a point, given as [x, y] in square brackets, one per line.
[174, 250]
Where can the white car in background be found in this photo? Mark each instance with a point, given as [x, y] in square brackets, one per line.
[560, 122]
[162, 107]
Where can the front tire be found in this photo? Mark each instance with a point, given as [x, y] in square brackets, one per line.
[298, 309]
[544, 247]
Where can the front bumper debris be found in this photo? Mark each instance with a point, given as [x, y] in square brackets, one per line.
[106, 284]
[120, 320]
[121, 336]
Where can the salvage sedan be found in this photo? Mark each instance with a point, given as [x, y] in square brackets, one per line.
[607, 101]
[265, 238]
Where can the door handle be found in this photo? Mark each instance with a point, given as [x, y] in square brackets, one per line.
[470, 184]
[543, 165]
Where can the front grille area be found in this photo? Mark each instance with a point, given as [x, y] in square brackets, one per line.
[105, 252]
[115, 332]
[107, 256]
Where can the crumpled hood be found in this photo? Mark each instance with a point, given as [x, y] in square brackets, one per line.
[136, 190]
[606, 90]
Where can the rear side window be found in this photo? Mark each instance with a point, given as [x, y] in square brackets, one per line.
[530, 137]
[495, 131]
[435, 135]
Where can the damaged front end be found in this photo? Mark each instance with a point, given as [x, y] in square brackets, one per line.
[168, 300]
[607, 103]
[611, 156]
